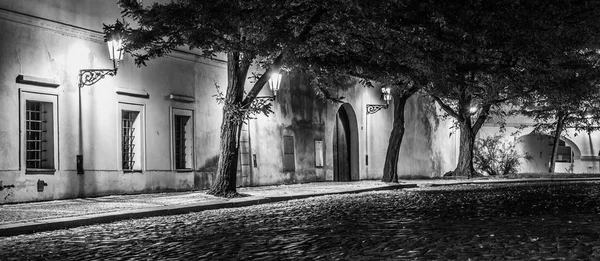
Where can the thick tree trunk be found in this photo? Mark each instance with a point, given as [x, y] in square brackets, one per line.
[465, 156]
[556, 138]
[225, 184]
[390, 168]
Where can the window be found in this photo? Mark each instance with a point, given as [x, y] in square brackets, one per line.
[288, 154]
[180, 141]
[39, 133]
[39, 136]
[318, 153]
[564, 153]
[132, 140]
[182, 122]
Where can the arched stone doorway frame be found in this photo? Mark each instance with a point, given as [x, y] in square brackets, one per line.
[352, 131]
[574, 148]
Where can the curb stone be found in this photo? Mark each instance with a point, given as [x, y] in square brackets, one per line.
[539, 180]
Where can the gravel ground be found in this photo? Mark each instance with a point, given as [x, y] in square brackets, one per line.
[462, 222]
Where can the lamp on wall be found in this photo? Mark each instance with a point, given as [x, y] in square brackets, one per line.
[88, 77]
[386, 95]
[274, 84]
[473, 109]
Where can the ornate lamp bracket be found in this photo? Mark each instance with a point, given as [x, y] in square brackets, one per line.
[373, 108]
[89, 77]
[262, 100]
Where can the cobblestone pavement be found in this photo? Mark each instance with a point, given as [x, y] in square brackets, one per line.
[477, 222]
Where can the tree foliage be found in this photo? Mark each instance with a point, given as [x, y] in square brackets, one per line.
[490, 53]
[466, 54]
[569, 98]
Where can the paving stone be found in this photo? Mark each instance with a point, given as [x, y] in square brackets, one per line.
[477, 222]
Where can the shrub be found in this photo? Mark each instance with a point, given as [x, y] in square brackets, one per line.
[493, 156]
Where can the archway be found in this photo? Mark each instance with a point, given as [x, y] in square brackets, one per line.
[345, 145]
[539, 147]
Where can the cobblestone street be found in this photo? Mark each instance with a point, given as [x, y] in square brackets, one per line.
[477, 222]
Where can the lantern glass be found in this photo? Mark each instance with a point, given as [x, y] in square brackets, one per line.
[386, 93]
[115, 48]
[274, 82]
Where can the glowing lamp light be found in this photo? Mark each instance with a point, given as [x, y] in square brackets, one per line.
[386, 94]
[115, 49]
[274, 83]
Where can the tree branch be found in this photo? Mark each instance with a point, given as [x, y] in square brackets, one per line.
[482, 117]
[264, 78]
[447, 108]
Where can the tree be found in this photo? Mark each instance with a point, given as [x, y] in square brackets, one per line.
[494, 52]
[570, 98]
[270, 32]
[382, 47]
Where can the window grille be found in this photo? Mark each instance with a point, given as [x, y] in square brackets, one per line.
[180, 141]
[128, 139]
[36, 135]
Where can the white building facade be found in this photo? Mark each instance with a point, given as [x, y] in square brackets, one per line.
[156, 128]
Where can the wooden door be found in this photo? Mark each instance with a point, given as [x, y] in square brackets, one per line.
[341, 148]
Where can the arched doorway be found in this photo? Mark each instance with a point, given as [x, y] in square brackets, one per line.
[345, 145]
[539, 147]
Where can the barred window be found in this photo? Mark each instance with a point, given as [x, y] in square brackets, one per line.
[181, 142]
[130, 140]
[39, 136]
[182, 139]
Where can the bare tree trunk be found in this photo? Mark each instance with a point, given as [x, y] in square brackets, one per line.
[465, 156]
[390, 168]
[559, 126]
[225, 184]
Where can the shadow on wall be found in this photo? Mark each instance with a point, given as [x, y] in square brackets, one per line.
[206, 174]
[423, 152]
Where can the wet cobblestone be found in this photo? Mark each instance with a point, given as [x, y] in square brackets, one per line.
[476, 222]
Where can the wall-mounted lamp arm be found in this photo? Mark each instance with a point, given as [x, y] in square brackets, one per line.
[88, 77]
[373, 108]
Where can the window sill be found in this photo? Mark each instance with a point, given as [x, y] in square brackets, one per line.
[133, 171]
[40, 171]
[184, 170]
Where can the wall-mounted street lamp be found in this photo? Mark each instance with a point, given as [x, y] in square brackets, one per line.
[274, 84]
[385, 96]
[88, 77]
[473, 109]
